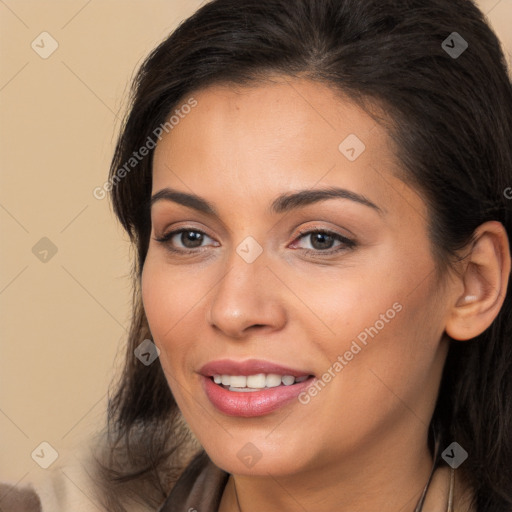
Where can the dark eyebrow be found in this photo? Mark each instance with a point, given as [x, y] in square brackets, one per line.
[190, 200]
[289, 201]
[284, 203]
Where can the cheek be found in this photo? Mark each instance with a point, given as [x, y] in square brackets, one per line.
[166, 305]
[390, 359]
[174, 297]
[386, 330]
[156, 303]
[367, 299]
[165, 301]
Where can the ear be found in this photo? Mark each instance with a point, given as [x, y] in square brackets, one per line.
[484, 278]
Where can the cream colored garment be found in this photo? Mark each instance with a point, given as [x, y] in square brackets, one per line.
[67, 486]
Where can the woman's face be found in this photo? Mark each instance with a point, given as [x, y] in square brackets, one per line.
[270, 275]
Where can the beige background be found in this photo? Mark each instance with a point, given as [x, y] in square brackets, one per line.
[63, 321]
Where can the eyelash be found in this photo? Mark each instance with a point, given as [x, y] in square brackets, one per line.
[346, 243]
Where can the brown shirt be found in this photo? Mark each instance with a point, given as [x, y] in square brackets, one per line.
[199, 488]
[13, 499]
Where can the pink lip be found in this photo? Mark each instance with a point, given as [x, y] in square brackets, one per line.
[253, 403]
[248, 367]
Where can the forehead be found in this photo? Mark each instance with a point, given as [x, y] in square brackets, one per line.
[270, 137]
[292, 117]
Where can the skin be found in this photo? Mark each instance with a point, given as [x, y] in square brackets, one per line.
[361, 443]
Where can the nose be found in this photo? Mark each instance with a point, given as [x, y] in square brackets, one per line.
[248, 298]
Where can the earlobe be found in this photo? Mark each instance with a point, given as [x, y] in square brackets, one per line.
[485, 279]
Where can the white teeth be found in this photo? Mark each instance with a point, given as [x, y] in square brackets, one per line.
[257, 381]
[288, 380]
[273, 380]
[238, 381]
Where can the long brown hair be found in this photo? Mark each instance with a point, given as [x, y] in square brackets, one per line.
[451, 118]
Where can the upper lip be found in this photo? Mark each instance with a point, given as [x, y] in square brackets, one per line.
[248, 367]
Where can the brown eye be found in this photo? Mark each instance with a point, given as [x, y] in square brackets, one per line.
[183, 239]
[191, 239]
[323, 241]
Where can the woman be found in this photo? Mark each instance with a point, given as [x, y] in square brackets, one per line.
[317, 194]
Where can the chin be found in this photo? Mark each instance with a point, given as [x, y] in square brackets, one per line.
[259, 457]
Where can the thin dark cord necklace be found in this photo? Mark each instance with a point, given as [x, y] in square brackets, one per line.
[419, 506]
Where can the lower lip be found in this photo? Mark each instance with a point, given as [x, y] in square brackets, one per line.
[252, 403]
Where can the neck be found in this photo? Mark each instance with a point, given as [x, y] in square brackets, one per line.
[375, 480]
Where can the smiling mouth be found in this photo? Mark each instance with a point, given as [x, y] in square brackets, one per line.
[256, 382]
[252, 387]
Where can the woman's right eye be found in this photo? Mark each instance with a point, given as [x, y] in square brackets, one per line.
[183, 240]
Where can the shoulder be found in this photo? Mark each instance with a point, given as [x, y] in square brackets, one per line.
[65, 486]
[19, 499]
[72, 484]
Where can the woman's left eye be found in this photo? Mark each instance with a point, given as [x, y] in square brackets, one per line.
[324, 241]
